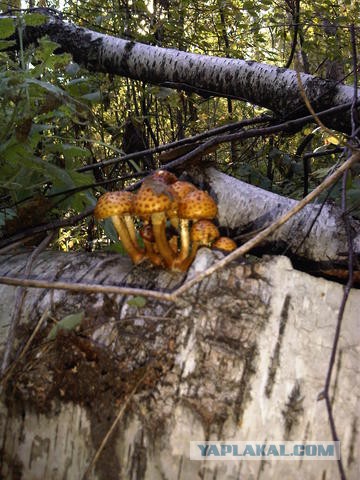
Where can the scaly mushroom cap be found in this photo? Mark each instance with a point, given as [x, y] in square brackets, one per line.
[197, 205]
[179, 190]
[148, 202]
[225, 244]
[164, 176]
[204, 232]
[114, 203]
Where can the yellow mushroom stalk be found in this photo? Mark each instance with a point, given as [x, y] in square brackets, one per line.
[203, 233]
[196, 205]
[150, 204]
[118, 206]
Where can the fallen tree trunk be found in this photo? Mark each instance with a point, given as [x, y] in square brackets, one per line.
[244, 207]
[241, 356]
[260, 84]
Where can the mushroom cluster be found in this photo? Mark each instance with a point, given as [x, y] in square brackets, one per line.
[176, 219]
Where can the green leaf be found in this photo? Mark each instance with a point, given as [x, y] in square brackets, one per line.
[92, 97]
[71, 151]
[46, 86]
[6, 43]
[137, 301]
[70, 322]
[34, 19]
[7, 27]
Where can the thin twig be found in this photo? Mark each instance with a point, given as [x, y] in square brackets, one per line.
[114, 424]
[85, 287]
[54, 225]
[184, 141]
[289, 125]
[296, 17]
[309, 106]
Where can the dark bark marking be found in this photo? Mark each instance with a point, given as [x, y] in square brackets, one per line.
[244, 391]
[124, 65]
[138, 458]
[275, 359]
[293, 410]
[352, 454]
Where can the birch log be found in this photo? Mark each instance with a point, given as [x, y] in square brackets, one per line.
[244, 207]
[265, 85]
[242, 356]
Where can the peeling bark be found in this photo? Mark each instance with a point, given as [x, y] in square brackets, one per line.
[242, 356]
[261, 84]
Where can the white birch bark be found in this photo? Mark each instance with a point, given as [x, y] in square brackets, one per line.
[244, 357]
[244, 207]
[265, 85]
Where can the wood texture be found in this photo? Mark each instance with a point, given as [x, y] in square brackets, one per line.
[242, 356]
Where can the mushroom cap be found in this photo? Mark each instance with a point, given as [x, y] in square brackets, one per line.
[197, 205]
[114, 203]
[224, 243]
[164, 176]
[204, 232]
[147, 201]
[178, 190]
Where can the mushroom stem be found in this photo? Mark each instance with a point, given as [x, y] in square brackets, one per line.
[124, 236]
[153, 257]
[185, 239]
[184, 264]
[131, 229]
[158, 221]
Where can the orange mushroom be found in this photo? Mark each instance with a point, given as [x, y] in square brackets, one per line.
[225, 244]
[179, 190]
[163, 175]
[203, 233]
[195, 205]
[118, 206]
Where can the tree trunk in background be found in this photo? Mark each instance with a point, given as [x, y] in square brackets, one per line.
[241, 356]
[267, 86]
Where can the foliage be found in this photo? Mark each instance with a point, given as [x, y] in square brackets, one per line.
[42, 105]
[70, 322]
[56, 117]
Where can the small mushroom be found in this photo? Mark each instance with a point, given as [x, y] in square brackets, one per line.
[163, 175]
[225, 244]
[195, 205]
[179, 190]
[203, 233]
[118, 207]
